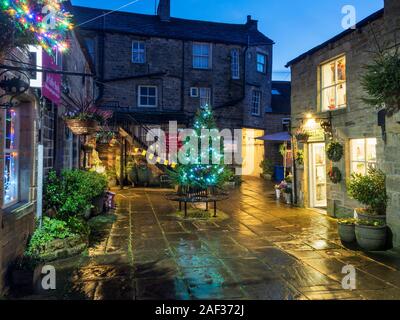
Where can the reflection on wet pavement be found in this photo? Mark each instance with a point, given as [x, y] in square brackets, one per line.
[265, 250]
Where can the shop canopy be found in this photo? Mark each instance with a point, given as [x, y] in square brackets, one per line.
[278, 137]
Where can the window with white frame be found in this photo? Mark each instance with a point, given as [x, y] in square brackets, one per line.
[205, 96]
[362, 155]
[10, 174]
[138, 52]
[256, 103]
[202, 55]
[147, 96]
[261, 63]
[333, 93]
[235, 64]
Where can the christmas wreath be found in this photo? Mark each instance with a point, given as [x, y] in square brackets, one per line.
[335, 151]
[335, 175]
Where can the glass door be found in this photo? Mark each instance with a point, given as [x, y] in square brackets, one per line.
[317, 175]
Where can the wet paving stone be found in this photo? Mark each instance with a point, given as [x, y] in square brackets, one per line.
[263, 250]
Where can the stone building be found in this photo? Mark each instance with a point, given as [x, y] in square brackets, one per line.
[153, 69]
[326, 90]
[278, 120]
[36, 140]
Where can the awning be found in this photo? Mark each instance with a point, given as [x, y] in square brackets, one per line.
[279, 137]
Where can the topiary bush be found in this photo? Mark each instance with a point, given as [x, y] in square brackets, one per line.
[369, 190]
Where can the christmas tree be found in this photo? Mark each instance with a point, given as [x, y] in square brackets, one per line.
[203, 154]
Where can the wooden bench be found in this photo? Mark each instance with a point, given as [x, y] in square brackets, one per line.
[188, 194]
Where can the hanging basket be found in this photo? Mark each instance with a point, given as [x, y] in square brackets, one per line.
[82, 127]
[302, 137]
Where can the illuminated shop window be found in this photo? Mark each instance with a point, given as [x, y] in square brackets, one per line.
[10, 159]
[363, 155]
[333, 85]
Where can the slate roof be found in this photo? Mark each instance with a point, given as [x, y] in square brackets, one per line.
[375, 16]
[151, 25]
[281, 95]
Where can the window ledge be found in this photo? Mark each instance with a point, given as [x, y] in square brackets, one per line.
[20, 210]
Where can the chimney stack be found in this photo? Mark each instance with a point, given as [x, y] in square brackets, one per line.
[164, 10]
[252, 24]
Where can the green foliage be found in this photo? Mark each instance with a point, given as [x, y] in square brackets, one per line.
[267, 166]
[369, 190]
[51, 229]
[12, 35]
[71, 193]
[381, 82]
[334, 151]
[194, 173]
[300, 157]
[370, 223]
[335, 175]
[347, 221]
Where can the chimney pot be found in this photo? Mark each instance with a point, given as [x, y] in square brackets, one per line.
[164, 10]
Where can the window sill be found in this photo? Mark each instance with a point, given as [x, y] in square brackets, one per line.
[334, 112]
[20, 210]
[201, 69]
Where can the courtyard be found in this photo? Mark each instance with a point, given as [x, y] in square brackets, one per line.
[257, 248]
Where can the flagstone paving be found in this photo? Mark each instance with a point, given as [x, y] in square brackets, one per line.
[264, 250]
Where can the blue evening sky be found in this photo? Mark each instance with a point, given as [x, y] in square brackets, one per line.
[295, 25]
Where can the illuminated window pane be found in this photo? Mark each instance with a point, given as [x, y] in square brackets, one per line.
[333, 85]
[363, 155]
[328, 99]
[10, 178]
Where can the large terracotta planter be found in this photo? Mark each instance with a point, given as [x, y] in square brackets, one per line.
[82, 127]
[371, 238]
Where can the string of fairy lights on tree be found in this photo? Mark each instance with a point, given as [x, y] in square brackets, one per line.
[196, 173]
[46, 19]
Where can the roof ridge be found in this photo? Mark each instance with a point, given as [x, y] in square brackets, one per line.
[155, 16]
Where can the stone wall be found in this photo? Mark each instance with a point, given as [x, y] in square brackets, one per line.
[391, 161]
[274, 125]
[169, 66]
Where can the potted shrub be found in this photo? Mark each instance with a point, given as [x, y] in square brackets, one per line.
[268, 169]
[371, 235]
[347, 230]
[370, 191]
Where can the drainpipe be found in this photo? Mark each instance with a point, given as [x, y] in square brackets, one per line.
[39, 168]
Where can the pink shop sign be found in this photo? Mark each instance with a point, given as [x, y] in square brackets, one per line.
[51, 88]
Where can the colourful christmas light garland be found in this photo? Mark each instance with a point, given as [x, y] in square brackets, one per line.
[46, 19]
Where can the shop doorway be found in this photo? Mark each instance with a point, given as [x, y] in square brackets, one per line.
[317, 175]
[253, 152]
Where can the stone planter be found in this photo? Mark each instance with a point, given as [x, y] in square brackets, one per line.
[371, 238]
[347, 232]
[365, 216]
[64, 248]
[82, 127]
